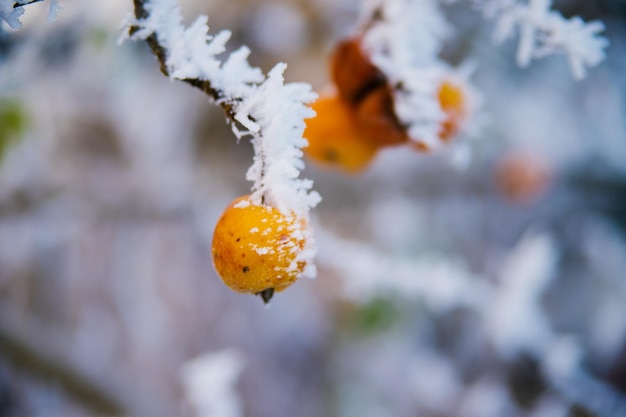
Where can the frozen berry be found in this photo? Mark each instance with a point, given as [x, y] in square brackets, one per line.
[257, 249]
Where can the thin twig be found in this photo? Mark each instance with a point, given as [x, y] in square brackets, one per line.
[31, 360]
[229, 106]
[24, 3]
[161, 53]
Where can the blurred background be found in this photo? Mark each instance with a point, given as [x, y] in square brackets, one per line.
[496, 289]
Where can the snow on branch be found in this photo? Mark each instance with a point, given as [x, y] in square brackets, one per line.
[265, 108]
[544, 32]
[277, 162]
[404, 39]
[12, 10]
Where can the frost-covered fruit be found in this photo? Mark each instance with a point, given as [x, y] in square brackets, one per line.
[352, 71]
[257, 249]
[335, 139]
[377, 120]
[453, 101]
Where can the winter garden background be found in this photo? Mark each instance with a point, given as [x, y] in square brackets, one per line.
[483, 279]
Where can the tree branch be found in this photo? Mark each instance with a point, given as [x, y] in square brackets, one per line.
[161, 54]
[28, 358]
[24, 3]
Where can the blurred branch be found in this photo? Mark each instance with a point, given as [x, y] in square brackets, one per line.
[25, 356]
[602, 190]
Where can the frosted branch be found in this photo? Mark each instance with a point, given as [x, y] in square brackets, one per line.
[12, 10]
[545, 32]
[266, 109]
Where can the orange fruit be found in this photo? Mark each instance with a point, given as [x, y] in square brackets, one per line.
[352, 71]
[256, 248]
[335, 139]
[377, 120]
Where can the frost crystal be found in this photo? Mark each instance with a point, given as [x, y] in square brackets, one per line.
[278, 112]
[545, 32]
[11, 14]
[404, 39]
[12, 10]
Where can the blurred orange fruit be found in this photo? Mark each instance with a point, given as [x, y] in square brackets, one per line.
[352, 71]
[376, 118]
[522, 176]
[335, 139]
[361, 118]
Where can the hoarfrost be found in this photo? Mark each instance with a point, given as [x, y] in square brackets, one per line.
[404, 42]
[12, 10]
[271, 112]
[11, 15]
[546, 32]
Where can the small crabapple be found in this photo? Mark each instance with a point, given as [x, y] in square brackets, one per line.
[523, 176]
[334, 136]
[366, 91]
[256, 248]
[352, 71]
[377, 120]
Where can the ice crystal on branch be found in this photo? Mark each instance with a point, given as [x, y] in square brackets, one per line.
[404, 39]
[271, 112]
[10, 14]
[277, 162]
[545, 32]
[12, 10]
